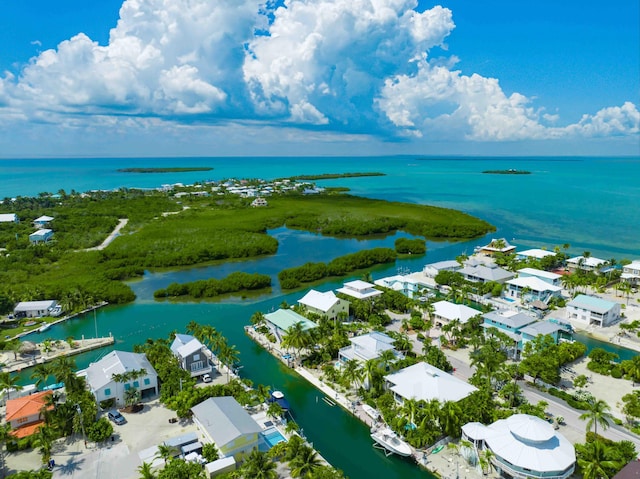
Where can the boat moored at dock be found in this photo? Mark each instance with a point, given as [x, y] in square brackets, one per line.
[388, 440]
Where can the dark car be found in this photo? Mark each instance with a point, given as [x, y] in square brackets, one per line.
[116, 417]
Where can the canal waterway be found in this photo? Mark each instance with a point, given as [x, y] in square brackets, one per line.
[342, 439]
[527, 207]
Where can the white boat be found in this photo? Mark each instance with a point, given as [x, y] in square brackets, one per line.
[371, 412]
[386, 439]
[44, 327]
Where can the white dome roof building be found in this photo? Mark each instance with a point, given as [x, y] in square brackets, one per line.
[524, 447]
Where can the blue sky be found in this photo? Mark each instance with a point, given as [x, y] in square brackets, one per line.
[234, 77]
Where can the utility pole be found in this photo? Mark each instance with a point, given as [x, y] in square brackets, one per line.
[81, 424]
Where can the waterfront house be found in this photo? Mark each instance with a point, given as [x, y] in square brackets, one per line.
[444, 312]
[43, 221]
[630, 471]
[432, 270]
[324, 304]
[359, 289]
[37, 309]
[26, 414]
[585, 264]
[101, 382]
[589, 310]
[400, 283]
[422, 381]
[225, 423]
[535, 253]
[554, 328]
[41, 236]
[509, 323]
[281, 320]
[368, 346]
[631, 272]
[482, 273]
[531, 288]
[523, 447]
[522, 328]
[193, 356]
[551, 278]
[9, 218]
[496, 246]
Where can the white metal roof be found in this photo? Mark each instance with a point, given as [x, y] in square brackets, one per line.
[322, 301]
[43, 218]
[528, 442]
[451, 311]
[591, 262]
[536, 284]
[591, 303]
[539, 273]
[424, 381]
[359, 289]
[34, 305]
[100, 373]
[184, 344]
[536, 253]
[8, 217]
[224, 419]
[38, 233]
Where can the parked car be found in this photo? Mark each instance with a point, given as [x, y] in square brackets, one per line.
[206, 378]
[116, 417]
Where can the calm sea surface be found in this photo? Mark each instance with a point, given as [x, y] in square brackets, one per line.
[590, 203]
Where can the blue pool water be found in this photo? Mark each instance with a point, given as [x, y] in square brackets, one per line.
[273, 437]
[509, 300]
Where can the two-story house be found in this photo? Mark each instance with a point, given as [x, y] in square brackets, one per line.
[193, 356]
[26, 414]
[324, 304]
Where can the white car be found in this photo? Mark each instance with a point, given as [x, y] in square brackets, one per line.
[206, 378]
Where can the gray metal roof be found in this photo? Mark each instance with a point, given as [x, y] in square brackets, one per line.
[185, 344]
[224, 419]
[515, 321]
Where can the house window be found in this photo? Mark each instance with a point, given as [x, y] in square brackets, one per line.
[107, 392]
[127, 387]
[136, 384]
[147, 381]
[22, 420]
[196, 357]
[195, 366]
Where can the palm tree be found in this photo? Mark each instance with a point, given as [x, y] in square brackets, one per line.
[63, 369]
[386, 358]
[597, 413]
[41, 374]
[450, 418]
[296, 337]
[275, 410]
[409, 409]
[229, 355]
[305, 463]
[5, 430]
[371, 372]
[352, 373]
[8, 382]
[44, 440]
[165, 452]
[596, 459]
[259, 466]
[146, 472]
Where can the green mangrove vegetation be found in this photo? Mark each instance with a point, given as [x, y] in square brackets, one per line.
[210, 288]
[164, 231]
[410, 246]
[291, 278]
[179, 169]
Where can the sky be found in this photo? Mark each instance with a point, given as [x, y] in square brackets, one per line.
[310, 77]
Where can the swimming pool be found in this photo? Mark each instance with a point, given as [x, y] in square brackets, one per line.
[272, 437]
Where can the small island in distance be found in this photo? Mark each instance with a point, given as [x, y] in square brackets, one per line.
[165, 170]
[510, 171]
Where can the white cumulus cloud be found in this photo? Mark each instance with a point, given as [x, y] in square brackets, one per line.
[351, 67]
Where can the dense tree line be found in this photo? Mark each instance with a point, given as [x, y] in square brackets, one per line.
[410, 246]
[204, 230]
[209, 288]
[293, 277]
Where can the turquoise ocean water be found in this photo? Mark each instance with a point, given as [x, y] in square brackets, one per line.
[590, 203]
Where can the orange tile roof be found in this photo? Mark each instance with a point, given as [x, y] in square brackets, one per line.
[25, 431]
[27, 406]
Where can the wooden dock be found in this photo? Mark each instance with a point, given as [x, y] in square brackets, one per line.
[62, 348]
